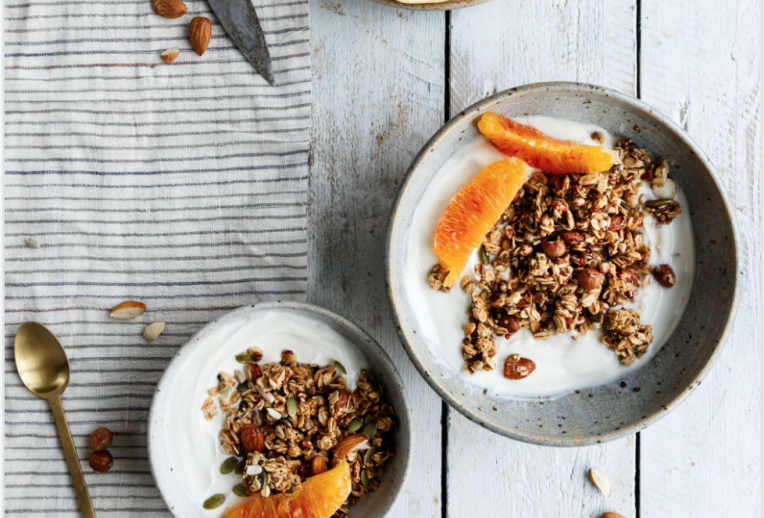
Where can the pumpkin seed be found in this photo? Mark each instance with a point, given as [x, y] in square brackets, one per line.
[239, 490]
[340, 367]
[243, 358]
[240, 467]
[225, 391]
[625, 205]
[367, 456]
[370, 430]
[285, 422]
[214, 501]
[228, 465]
[369, 418]
[483, 255]
[656, 204]
[291, 405]
[364, 479]
[355, 425]
[243, 388]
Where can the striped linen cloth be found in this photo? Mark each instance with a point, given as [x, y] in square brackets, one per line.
[182, 186]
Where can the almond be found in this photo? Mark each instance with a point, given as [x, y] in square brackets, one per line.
[153, 330]
[600, 480]
[571, 236]
[665, 276]
[350, 444]
[128, 310]
[169, 8]
[616, 223]
[199, 32]
[517, 368]
[252, 439]
[589, 279]
[318, 465]
[169, 55]
[612, 515]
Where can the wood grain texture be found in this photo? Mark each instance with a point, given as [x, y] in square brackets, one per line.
[495, 46]
[700, 64]
[378, 76]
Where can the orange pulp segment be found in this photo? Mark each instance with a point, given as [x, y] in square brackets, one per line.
[317, 497]
[540, 150]
[474, 211]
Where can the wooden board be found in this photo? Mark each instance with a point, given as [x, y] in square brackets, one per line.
[378, 76]
[700, 64]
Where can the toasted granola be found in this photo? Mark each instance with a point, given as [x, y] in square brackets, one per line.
[564, 254]
[280, 416]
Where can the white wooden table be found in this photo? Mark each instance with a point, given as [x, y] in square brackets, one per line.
[385, 80]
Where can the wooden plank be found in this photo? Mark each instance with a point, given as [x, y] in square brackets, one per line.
[496, 46]
[700, 63]
[378, 82]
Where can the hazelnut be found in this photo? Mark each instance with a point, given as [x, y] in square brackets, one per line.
[509, 322]
[589, 279]
[665, 276]
[553, 248]
[101, 461]
[252, 439]
[616, 223]
[518, 368]
[101, 439]
[571, 236]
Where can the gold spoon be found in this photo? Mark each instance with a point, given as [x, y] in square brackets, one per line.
[44, 369]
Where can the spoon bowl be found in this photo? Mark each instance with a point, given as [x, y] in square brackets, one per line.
[41, 360]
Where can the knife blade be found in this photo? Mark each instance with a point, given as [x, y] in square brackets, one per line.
[240, 21]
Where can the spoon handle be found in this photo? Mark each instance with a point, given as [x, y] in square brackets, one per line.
[72, 460]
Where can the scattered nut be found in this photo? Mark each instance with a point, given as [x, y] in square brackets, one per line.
[169, 55]
[252, 439]
[589, 279]
[200, 32]
[553, 248]
[665, 276]
[612, 515]
[32, 242]
[128, 310]
[350, 444]
[153, 330]
[101, 439]
[666, 191]
[571, 236]
[318, 465]
[169, 8]
[600, 480]
[598, 137]
[517, 368]
[101, 461]
[617, 223]
[509, 322]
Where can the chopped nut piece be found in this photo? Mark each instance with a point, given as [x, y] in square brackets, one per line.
[600, 480]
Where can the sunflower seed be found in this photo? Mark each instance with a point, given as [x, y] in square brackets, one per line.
[32, 242]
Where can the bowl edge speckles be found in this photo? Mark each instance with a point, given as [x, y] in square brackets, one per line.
[377, 504]
[610, 411]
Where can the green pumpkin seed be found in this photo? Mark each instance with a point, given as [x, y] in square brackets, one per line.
[239, 490]
[285, 422]
[291, 405]
[369, 418]
[370, 430]
[656, 204]
[240, 467]
[483, 255]
[229, 465]
[367, 456]
[355, 425]
[225, 391]
[364, 479]
[214, 501]
[340, 367]
[243, 388]
[243, 358]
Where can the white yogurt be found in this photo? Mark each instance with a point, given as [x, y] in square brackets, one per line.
[196, 447]
[563, 364]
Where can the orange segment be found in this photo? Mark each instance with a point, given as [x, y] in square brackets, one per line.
[474, 210]
[317, 497]
[542, 151]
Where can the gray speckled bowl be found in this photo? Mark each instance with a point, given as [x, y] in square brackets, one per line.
[629, 404]
[443, 6]
[376, 504]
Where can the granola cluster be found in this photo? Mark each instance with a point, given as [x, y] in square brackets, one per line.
[564, 254]
[288, 421]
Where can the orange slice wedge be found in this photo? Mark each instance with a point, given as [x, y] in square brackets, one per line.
[317, 497]
[473, 211]
[540, 150]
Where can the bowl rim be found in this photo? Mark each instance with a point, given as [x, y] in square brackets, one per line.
[469, 113]
[448, 5]
[358, 334]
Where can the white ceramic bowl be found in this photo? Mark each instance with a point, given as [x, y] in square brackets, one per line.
[376, 504]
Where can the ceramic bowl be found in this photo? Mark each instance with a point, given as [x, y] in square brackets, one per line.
[376, 504]
[644, 395]
[442, 6]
